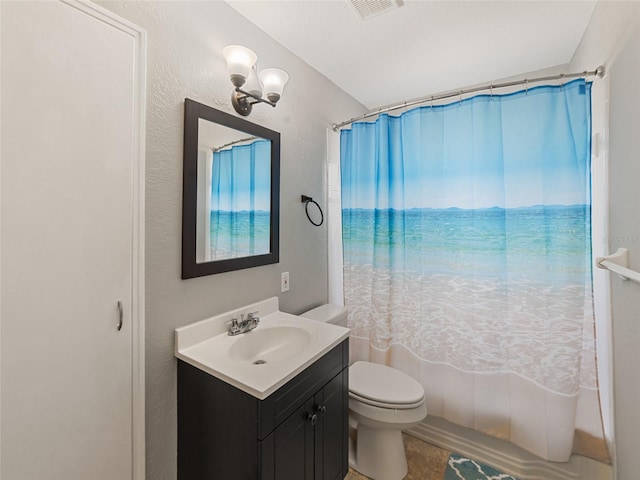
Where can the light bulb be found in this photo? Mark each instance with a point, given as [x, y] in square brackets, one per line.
[273, 82]
[240, 60]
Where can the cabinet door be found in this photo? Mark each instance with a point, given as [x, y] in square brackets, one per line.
[68, 160]
[331, 435]
[294, 445]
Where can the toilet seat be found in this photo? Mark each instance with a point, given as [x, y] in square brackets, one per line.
[384, 387]
[394, 406]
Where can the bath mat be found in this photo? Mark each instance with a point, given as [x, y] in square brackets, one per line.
[461, 468]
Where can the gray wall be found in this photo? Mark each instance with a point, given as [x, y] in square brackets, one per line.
[185, 41]
[613, 39]
[625, 232]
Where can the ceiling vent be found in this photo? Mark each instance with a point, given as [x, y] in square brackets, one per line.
[366, 9]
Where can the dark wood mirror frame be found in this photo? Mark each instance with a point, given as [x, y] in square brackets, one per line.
[193, 111]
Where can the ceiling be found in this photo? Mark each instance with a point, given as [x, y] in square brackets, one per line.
[423, 47]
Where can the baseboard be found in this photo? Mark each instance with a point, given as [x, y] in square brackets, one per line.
[505, 456]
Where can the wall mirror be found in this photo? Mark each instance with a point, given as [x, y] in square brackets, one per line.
[231, 192]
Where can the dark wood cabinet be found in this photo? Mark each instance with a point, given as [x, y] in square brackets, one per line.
[299, 432]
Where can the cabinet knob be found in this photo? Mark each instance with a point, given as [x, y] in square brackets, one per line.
[321, 409]
[313, 418]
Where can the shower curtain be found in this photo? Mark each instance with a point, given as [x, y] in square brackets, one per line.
[240, 201]
[467, 260]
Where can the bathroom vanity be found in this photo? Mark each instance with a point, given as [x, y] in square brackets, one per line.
[271, 406]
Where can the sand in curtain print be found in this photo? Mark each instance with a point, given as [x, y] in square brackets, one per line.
[490, 290]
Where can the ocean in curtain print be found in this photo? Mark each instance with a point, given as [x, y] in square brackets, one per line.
[545, 243]
[239, 234]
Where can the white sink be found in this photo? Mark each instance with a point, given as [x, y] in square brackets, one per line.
[270, 344]
[262, 360]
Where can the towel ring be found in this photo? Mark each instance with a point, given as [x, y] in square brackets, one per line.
[307, 200]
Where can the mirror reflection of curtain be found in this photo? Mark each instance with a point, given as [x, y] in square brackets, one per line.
[203, 225]
[467, 261]
[240, 201]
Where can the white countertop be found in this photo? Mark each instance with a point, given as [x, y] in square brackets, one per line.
[207, 346]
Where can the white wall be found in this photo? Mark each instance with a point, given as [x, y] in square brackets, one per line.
[185, 41]
[613, 39]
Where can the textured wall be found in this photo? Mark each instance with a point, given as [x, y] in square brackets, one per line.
[185, 41]
[625, 232]
[613, 39]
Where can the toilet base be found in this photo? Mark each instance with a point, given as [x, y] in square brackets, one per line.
[378, 453]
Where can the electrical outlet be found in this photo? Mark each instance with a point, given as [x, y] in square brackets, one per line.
[284, 282]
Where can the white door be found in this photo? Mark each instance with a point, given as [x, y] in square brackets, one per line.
[67, 244]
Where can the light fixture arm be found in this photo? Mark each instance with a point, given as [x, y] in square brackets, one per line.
[242, 104]
[255, 97]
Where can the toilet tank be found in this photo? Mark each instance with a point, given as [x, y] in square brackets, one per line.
[329, 313]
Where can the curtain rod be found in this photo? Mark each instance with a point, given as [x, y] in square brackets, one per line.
[598, 73]
[242, 140]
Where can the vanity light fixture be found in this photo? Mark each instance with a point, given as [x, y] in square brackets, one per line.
[250, 85]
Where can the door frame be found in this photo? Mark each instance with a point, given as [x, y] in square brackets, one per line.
[139, 36]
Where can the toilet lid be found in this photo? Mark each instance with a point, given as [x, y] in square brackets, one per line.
[383, 385]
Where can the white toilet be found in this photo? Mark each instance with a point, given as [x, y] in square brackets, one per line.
[383, 401]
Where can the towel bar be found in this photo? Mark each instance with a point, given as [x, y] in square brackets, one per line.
[618, 262]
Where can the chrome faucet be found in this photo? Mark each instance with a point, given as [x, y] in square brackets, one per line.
[244, 325]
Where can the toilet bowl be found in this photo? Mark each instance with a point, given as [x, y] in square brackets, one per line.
[383, 401]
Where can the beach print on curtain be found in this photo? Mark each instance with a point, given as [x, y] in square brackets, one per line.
[467, 260]
[240, 201]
